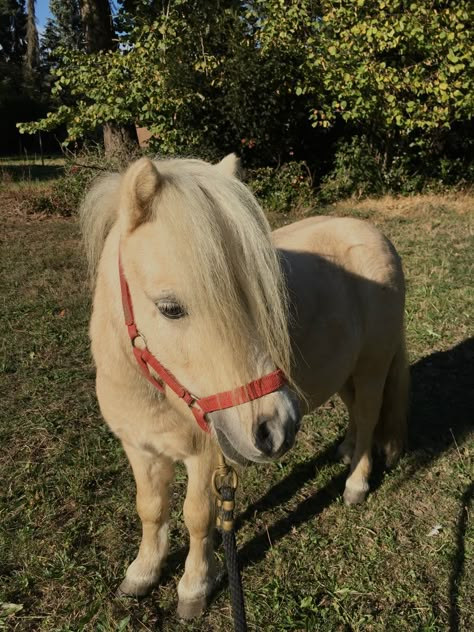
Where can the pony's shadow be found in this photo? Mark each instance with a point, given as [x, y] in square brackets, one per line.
[442, 417]
[442, 405]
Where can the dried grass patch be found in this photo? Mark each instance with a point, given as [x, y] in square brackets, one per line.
[461, 203]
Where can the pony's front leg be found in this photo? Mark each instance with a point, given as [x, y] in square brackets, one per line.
[199, 515]
[153, 475]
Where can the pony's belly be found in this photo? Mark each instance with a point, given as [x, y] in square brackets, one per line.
[321, 375]
[327, 333]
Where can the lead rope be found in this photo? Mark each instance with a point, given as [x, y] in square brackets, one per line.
[224, 483]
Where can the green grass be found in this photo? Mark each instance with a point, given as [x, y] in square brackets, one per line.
[68, 526]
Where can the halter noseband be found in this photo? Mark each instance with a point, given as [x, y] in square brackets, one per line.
[200, 406]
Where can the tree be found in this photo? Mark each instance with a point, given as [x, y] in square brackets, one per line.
[100, 36]
[77, 33]
[97, 25]
[271, 76]
[12, 45]
[63, 29]
[194, 76]
[400, 72]
[19, 80]
[12, 31]
[32, 45]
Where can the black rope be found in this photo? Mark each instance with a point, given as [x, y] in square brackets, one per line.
[233, 570]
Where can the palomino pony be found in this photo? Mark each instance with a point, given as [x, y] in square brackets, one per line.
[194, 296]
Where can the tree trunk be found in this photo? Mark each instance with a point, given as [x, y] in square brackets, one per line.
[119, 140]
[32, 46]
[99, 35]
[97, 24]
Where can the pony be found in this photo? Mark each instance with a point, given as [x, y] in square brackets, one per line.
[192, 288]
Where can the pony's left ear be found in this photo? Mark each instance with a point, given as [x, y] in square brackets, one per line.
[140, 184]
[230, 166]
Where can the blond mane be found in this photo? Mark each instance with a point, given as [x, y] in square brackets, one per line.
[223, 247]
[97, 214]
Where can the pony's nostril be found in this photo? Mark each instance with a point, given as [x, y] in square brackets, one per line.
[264, 438]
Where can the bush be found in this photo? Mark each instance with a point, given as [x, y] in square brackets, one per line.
[357, 172]
[65, 193]
[283, 189]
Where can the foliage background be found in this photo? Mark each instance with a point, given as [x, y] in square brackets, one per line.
[369, 95]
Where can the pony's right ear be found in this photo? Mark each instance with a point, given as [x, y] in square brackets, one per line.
[139, 187]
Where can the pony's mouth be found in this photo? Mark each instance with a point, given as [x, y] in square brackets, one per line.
[231, 452]
[228, 449]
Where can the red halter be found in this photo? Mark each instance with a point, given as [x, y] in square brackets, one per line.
[200, 406]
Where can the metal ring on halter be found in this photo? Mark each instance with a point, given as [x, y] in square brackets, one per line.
[142, 337]
[223, 472]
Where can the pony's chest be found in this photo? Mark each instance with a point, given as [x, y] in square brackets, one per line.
[144, 421]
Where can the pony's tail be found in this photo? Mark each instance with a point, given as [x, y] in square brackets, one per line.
[391, 429]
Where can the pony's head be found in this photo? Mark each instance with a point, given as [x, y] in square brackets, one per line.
[208, 294]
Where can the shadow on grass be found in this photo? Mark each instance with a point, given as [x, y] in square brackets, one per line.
[285, 489]
[441, 418]
[458, 565]
[26, 173]
[442, 400]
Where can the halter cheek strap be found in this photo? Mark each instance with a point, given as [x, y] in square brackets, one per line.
[200, 406]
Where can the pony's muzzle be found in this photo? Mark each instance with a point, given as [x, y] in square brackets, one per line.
[274, 436]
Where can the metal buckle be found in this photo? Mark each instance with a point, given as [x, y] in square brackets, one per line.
[223, 471]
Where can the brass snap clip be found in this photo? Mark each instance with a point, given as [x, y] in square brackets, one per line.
[224, 476]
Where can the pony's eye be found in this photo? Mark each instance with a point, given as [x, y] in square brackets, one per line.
[171, 309]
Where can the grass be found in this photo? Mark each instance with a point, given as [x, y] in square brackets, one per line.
[68, 521]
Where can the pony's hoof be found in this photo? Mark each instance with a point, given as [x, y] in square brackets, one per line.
[191, 609]
[354, 496]
[392, 454]
[346, 459]
[344, 454]
[133, 589]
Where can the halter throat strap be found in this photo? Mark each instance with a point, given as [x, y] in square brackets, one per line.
[200, 406]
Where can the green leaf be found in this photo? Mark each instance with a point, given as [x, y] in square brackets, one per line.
[452, 57]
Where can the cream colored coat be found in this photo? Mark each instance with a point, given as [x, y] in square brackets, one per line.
[191, 236]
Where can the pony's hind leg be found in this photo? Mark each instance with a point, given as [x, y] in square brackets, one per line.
[153, 475]
[345, 450]
[368, 394]
[197, 582]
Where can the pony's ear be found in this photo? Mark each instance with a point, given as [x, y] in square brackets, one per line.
[230, 166]
[140, 185]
